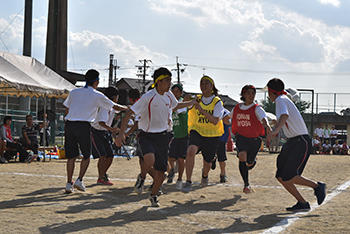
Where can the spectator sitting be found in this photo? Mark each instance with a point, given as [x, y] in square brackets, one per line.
[334, 135]
[5, 134]
[30, 136]
[336, 148]
[316, 145]
[344, 149]
[45, 128]
[326, 147]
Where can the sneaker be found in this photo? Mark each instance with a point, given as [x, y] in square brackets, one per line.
[320, 192]
[30, 158]
[223, 178]
[171, 176]
[78, 184]
[247, 189]
[179, 184]
[154, 201]
[213, 164]
[187, 187]
[69, 188]
[299, 207]
[104, 182]
[38, 158]
[3, 160]
[204, 181]
[138, 188]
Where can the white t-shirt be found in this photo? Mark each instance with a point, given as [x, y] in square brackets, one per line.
[259, 111]
[315, 142]
[295, 124]
[319, 132]
[334, 133]
[83, 104]
[154, 110]
[104, 115]
[326, 146]
[218, 108]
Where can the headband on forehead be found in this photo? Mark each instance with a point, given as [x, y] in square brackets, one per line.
[277, 92]
[208, 78]
[159, 78]
[91, 81]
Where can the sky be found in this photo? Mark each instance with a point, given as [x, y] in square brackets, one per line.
[236, 42]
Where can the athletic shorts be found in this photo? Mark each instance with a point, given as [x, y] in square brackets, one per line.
[156, 143]
[293, 157]
[250, 145]
[77, 135]
[178, 148]
[102, 143]
[221, 151]
[205, 144]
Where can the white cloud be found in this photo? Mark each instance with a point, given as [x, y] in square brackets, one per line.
[335, 3]
[272, 33]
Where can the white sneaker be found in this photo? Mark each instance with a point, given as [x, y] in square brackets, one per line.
[179, 184]
[69, 188]
[78, 184]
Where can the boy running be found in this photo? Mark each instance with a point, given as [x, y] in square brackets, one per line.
[296, 151]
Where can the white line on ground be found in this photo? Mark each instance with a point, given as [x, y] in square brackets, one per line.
[134, 180]
[284, 223]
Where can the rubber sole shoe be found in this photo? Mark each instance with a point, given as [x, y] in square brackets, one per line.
[223, 178]
[78, 184]
[179, 184]
[171, 176]
[248, 190]
[104, 182]
[187, 187]
[138, 188]
[299, 207]
[69, 188]
[204, 182]
[154, 201]
[320, 192]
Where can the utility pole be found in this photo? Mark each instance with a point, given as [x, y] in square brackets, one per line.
[27, 38]
[110, 75]
[143, 68]
[178, 69]
[115, 67]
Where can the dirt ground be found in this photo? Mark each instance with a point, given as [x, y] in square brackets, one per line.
[32, 200]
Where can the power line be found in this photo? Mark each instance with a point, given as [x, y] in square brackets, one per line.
[11, 21]
[271, 72]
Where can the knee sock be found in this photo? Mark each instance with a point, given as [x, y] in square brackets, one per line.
[243, 169]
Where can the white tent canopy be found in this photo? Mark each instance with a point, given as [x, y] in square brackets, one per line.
[26, 76]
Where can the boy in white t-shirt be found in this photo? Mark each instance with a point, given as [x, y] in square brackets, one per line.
[296, 151]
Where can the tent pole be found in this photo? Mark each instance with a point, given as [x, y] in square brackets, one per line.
[7, 103]
[44, 128]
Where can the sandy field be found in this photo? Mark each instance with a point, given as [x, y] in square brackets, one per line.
[32, 200]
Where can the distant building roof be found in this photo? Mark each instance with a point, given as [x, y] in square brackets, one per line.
[133, 83]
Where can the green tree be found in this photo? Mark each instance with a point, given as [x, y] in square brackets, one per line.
[271, 107]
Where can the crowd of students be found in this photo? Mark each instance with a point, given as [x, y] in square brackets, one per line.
[189, 126]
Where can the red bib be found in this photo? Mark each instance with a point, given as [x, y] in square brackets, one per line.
[245, 122]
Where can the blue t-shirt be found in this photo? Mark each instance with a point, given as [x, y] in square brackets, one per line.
[226, 133]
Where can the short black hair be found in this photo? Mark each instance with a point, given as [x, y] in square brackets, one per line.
[179, 86]
[245, 88]
[7, 118]
[91, 76]
[27, 116]
[161, 71]
[110, 92]
[134, 94]
[276, 84]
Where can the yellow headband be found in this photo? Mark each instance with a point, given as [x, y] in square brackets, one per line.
[161, 77]
[208, 78]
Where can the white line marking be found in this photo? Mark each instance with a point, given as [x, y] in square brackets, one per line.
[134, 180]
[284, 223]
